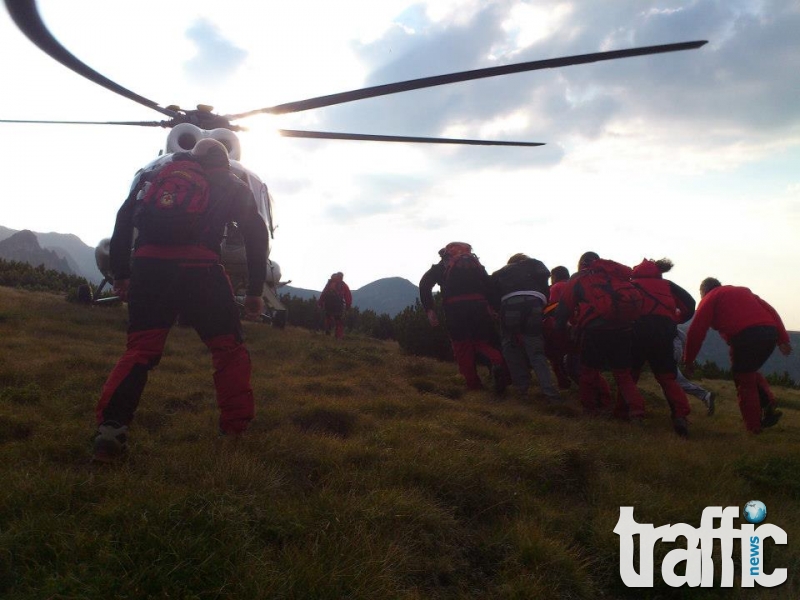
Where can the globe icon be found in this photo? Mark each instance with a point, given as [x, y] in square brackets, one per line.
[755, 512]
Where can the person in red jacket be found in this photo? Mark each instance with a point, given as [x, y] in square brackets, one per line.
[467, 294]
[664, 305]
[335, 300]
[752, 329]
[170, 276]
[559, 276]
[604, 343]
[557, 344]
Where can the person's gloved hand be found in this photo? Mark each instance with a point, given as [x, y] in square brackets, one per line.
[253, 307]
[121, 287]
[432, 318]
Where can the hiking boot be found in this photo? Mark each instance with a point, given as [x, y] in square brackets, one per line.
[499, 379]
[681, 426]
[708, 400]
[771, 417]
[110, 441]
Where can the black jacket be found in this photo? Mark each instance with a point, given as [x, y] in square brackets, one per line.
[231, 200]
[469, 284]
[528, 275]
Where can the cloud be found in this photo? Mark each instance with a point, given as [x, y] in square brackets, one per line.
[383, 194]
[738, 86]
[217, 58]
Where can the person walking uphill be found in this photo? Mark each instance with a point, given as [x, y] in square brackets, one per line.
[664, 305]
[558, 347]
[180, 211]
[466, 293]
[690, 387]
[522, 290]
[752, 329]
[602, 304]
[334, 300]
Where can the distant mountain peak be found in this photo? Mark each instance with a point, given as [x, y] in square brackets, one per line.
[25, 238]
[23, 246]
[69, 247]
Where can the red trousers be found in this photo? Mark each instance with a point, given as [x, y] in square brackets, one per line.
[673, 392]
[595, 393]
[161, 290]
[464, 352]
[471, 332]
[335, 322]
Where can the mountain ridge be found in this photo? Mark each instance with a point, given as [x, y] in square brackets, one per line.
[78, 255]
[23, 246]
[388, 295]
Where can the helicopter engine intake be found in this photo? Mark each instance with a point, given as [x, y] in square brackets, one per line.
[101, 257]
[184, 136]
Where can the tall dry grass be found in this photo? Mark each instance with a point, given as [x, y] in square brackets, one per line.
[367, 474]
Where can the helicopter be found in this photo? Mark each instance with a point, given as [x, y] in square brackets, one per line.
[188, 126]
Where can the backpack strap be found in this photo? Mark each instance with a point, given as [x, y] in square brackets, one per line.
[649, 295]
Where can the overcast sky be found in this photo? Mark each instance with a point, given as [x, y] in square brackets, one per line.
[691, 155]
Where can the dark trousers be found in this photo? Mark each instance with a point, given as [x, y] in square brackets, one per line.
[556, 348]
[608, 349]
[201, 294]
[749, 350]
[653, 343]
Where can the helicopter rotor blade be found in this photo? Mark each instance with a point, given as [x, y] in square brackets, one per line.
[426, 82]
[139, 123]
[330, 135]
[27, 18]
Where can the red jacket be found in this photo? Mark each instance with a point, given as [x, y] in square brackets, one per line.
[730, 309]
[556, 290]
[338, 288]
[661, 297]
[574, 305]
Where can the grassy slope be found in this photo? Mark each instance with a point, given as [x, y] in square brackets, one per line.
[367, 474]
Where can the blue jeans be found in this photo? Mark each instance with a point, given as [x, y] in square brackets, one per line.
[524, 352]
[690, 387]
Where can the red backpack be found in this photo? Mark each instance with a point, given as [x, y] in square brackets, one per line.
[171, 206]
[333, 298]
[609, 293]
[458, 256]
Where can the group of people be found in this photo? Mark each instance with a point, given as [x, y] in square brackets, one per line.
[605, 317]
[165, 259]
